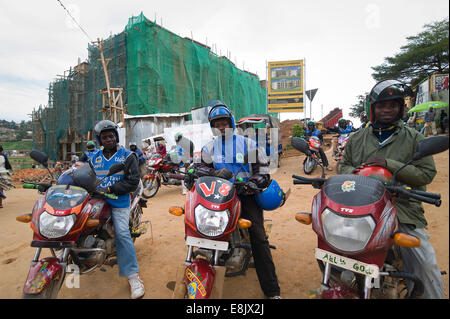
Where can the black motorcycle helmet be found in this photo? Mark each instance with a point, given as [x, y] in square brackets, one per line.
[105, 125]
[387, 90]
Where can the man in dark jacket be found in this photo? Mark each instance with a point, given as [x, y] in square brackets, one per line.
[122, 184]
[390, 144]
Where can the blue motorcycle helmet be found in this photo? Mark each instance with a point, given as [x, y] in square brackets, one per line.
[272, 197]
[220, 110]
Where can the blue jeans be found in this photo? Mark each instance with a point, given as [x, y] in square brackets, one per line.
[126, 254]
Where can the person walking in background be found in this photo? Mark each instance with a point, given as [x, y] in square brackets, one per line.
[443, 118]
[430, 124]
[5, 166]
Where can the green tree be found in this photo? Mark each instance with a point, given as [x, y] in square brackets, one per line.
[424, 54]
[357, 108]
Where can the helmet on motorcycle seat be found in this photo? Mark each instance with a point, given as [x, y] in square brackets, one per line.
[271, 198]
[220, 110]
[66, 178]
[384, 91]
[377, 172]
[314, 143]
[105, 125]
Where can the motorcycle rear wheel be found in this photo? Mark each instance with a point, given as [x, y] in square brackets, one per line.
[151, 187]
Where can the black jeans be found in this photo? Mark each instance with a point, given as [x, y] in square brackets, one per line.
[265, 268]
[323, 157]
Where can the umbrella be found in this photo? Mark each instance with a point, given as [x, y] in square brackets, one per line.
[426, 106]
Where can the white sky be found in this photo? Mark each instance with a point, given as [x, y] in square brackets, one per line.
[339, 40]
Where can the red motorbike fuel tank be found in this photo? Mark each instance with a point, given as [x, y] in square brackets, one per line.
[199, 279]
[215, 194]
[353, 196]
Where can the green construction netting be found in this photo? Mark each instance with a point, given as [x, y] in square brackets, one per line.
[171, 74]
[159, 71]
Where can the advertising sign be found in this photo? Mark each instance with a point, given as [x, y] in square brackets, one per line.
[285, 86]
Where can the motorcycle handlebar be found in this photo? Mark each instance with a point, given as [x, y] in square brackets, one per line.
[42, 187]
[425, 197]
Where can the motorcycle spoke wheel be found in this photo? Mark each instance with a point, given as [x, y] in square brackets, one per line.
[151, 187]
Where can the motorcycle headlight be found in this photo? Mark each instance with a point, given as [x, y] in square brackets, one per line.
[347, 233]
[211, 223]
[52, 226]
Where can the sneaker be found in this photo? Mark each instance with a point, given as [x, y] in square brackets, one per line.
[275, 297]
[136, 287]
[329, 168]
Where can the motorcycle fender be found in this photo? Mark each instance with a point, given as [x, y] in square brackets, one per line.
[339, 291]
[41, 274]
[199, 279]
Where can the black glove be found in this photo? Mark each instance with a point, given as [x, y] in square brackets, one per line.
[224, 173]
[189, 181]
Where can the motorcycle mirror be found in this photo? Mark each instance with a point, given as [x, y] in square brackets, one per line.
[301, 145]
[430, 146]
[115, 168]
[40, 157]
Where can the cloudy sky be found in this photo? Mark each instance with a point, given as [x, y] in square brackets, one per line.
[339, 40]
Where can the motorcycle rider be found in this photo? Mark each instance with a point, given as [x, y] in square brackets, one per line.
[343, 127]
[90, 150]
[185, 150]
[387, 142]
[141, 157]
[310, 131]
[122, 184]
[223, 157]
[364, 120]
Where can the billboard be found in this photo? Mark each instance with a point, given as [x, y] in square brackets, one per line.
[285, 86]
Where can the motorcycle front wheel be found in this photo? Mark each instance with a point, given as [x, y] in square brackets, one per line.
[151, 187]
[309, 165]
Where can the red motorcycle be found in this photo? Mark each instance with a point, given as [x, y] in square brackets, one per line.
[310, 162]
[159, 167]
[75, 223]
[217, 238]
[356, 224]
[342, 142]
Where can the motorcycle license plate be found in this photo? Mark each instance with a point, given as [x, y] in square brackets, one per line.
[348, 263]
[206, 243]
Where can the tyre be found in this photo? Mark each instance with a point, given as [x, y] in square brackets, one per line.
[151, 187]
[309, 165]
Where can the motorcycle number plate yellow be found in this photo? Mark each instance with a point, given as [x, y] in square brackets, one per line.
[347, 263]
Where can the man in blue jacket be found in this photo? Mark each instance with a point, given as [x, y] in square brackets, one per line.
[223, 157]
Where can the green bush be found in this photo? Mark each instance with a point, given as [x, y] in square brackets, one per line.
[298, 130]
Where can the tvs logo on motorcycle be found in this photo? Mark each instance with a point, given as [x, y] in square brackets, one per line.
[348, 186]
[207, 191]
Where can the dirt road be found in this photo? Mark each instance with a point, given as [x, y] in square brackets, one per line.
[162, 250]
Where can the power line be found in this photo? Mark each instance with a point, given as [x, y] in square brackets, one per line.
[74, 20]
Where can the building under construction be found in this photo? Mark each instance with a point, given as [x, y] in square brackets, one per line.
[145, 69]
